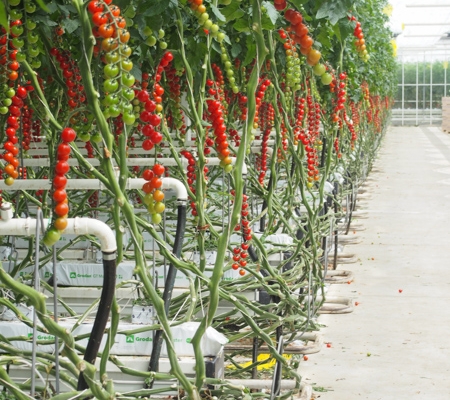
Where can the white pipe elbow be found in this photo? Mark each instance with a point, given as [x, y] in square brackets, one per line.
[78, 226]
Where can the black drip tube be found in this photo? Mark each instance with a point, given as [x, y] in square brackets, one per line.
[101, 319]
[168, 288]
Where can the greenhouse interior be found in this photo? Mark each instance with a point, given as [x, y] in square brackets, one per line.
[224, 199]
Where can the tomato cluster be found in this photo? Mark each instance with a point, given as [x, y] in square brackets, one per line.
[204, 21]
[299, 34]
[13, 126]
[267, 115]
[175, 117]
[152, 107]
[154, 196]
[59, 195]
[191, 177]
[360, 42]
[110, 29]
[215, 116]
[312, 158]
[72, 77]
[240, 255]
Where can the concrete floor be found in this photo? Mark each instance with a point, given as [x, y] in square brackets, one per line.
[395, 345]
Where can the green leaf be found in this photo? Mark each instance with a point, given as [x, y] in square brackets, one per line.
[3, 16]
[46, 21]
[251, 51]
[136, 72]
[272, 13]
[236, 48]
[241, 25]
[70, 25]
[67, 9]
[157, 7]
[266, 22]
[52, 7]
[218, 13]
[334, 10]
[232, 11]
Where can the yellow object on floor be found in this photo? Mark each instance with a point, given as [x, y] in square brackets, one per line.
[262, 357]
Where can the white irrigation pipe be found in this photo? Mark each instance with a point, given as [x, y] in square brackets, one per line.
[93, 184]
[132, 162]
[10, 226]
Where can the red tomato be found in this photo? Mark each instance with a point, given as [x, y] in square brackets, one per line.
[158, 169]
[61, 209]
[59, 195]
[68, 135]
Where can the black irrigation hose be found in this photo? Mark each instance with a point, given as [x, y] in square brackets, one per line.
[336, 231]
[104, 308]
[168, 289]
[262, 222]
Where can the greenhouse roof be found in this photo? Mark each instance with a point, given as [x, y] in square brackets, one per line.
[422, 28]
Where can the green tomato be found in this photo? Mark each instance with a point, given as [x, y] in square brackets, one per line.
[17, 42]
[161, 33]
[207, 24]
[214, 28]
[84, 136]
[30, 24]
[32, 37]
[326, 78]
[7, 102]
[36, 64]
[21, 57]
[10, 93]
[228, 168]
[112, 57]
[126, 64]
[148, 199]
[151, 41]
[51, 237]
[3, 110]
[220, 37]
[111, 70]
[17, 30]
[156, 218]
[128, 93]
[33, 51]
[126, 107]
[111, 99]
[159, 207]
[127, 79]
[114, 110]
[125, 50]
[96, 138]
[30, 7]
[110, 85]
[15, 14]
[203, 18]
[319, 69]
[162, 45]
[128, 118]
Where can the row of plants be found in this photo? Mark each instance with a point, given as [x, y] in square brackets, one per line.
[257, 107]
